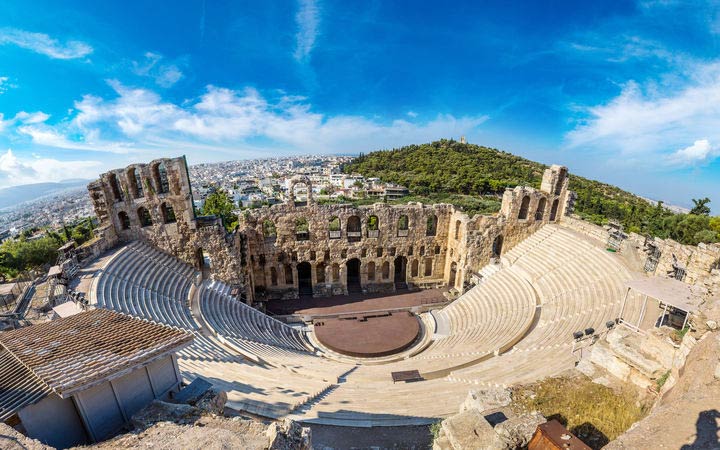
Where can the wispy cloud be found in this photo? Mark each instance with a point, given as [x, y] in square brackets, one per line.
[5, 85]
[44, 44]
[224, 119]
[153, 66]
[656, 118]
[15, 171]
[307, 20]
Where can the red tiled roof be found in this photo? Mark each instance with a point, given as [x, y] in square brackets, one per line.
[77, 351]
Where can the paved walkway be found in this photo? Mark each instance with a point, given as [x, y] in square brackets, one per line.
[353, 303]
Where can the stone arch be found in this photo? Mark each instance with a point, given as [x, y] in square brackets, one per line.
[540, 211]
[273, 276]
[414, 268]
[353, 229]
[457, 229]
[144, 217]
[453, 274]
[135, 182]
[428, 267]
[320, 272]
[302, 229]
[422, 250]
[437, 249]
[400, 269]
[403, 225]
[524, 207]
[124, 220]
[334, 228]
[292, 197]
[288, 269]
[115, 187]
[335, 272]
[268, 229]
[168, 213]
[386, 270]
[159, 174]
[554, 209]
[305, 285]
[371, 271]
[431, 229]
[353, 275]
[202, 259]
[373, 226]
[497, 246]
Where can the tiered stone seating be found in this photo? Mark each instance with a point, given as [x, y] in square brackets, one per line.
[147, 283]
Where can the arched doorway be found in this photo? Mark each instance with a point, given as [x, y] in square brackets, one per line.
[497, 246]
[353, 276]
[453, 273]
[553, 210]
[304, 272]
[400, 272]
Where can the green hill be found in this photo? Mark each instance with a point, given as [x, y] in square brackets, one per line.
[472, 177]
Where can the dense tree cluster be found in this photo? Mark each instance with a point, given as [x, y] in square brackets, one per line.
[37, 247]
[447, 169]
[220, 204]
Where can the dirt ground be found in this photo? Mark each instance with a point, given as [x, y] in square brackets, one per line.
[346, 438]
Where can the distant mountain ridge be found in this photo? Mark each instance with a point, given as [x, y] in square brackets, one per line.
[14, 195]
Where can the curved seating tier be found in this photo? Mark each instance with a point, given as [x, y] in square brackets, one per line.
[146, 283]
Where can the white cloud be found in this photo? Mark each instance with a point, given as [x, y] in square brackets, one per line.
[227, 120]
[654, 119]
[5, 85]
[307, 20]
[164, 74]
[14, 171]
[412, 114]
[699, 152]
[44, 44]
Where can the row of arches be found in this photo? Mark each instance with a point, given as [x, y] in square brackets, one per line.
[331, 273]
[539, 211]
[167, 215]
[134, 179]
[353, 227]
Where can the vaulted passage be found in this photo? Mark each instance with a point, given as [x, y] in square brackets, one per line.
[304, 279]
[353, 276]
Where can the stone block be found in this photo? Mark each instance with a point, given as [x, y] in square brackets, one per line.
[469, 431]
[484, 399]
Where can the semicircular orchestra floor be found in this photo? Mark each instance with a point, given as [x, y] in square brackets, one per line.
[368, 335]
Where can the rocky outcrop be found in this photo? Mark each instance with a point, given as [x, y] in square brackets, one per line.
[288, 435]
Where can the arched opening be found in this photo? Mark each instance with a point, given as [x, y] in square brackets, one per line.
[400, 272]
[560, 181]
[524, 206]
[553, 210]
[335, 273]
[124, 220]
[422, 250]
[302, 229]
[301, 193]
[373, 227]
[304, 271]
[144, 217]
[437, 249]
[334, 231]
[135, 182]
[402, 225]
[353, 229]
[273, 276]
[161, 180]
[428, 267]
[168, 213]
[540, 211]
[497, 246]
[452, 275]
[414, 268]
[386, 270]
[431, 226]
[202, 260]
[115, 187]
[320, 273]
[371, 271]
[288, 274]
[353, 276]
[457, 230]
[268, 228]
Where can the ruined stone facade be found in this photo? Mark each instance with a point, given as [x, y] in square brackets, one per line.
[301, 246]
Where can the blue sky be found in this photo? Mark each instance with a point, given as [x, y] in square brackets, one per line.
[624, 92]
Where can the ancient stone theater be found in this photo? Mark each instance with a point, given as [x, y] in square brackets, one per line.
[372, 315]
